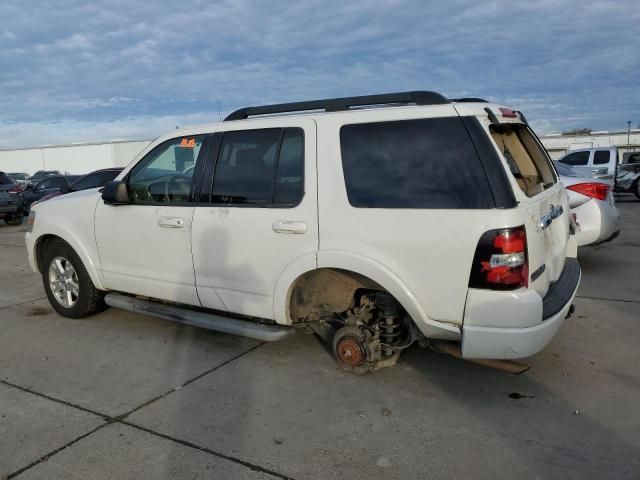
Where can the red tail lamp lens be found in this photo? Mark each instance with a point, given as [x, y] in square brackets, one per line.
[500, 261]
[596, 190]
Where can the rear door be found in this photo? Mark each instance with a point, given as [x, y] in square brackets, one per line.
[257, 215]
[542, 200]
[603, 164]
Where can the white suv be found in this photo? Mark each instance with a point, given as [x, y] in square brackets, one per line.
[374, 221]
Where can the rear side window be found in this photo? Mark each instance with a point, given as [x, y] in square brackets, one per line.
[260, 167]
[577, 158]
[424, 163]
[601, 157]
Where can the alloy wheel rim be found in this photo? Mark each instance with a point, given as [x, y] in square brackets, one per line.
[63, 282]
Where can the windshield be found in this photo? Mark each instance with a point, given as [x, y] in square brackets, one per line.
[18, 176]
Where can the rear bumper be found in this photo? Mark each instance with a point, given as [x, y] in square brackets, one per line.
[11, 209]
[599, 221]
[518, 324]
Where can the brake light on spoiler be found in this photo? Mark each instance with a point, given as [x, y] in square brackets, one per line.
[500, 261]
[508, 113]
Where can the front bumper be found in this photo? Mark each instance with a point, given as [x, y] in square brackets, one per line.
[517, 324]
[30, 242]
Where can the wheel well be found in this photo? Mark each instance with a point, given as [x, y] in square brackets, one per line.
[40, 246]
[325, 291]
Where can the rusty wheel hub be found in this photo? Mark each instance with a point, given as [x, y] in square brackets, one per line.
[350, 351]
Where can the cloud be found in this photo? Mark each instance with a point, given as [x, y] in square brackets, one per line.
[110, 68]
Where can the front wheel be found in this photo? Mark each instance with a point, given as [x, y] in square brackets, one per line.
[67, 282]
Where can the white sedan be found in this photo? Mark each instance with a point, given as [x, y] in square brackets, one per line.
[593, 203]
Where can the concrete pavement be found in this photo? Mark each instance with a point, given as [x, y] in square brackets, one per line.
[124, 396]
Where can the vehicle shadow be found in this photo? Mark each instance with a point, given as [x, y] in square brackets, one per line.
[531, 416]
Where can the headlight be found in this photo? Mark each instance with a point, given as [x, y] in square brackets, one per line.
[31, 220]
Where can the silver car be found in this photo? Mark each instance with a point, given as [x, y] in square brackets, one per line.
[592, 201]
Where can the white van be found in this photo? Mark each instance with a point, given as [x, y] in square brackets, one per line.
[375, 221]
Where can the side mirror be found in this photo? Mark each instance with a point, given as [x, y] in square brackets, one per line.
[115, 193]
[65, 189]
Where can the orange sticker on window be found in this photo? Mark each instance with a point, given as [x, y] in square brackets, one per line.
[188, 142]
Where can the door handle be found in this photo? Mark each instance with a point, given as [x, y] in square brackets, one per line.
[289, 226]
[171, 222]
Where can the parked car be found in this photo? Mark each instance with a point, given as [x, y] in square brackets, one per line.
[92, 180]
[45, 187]
[593, 202]
[604, 163]
[628, 175]
[20, 179]
[377, 226]
[10, 201]
[42, 174]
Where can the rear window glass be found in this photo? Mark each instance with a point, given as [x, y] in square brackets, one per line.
[601, 157]
[528, 161]
[4, 180]
[425, 163]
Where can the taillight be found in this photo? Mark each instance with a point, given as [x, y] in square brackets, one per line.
[15, 189]
[500, 261]
[596, 190]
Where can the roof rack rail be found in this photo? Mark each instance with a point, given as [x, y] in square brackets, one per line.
[341, 104]
[469, 100]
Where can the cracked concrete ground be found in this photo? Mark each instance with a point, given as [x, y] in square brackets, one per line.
[125, 396]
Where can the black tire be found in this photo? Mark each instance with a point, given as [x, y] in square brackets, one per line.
[636, 188]
[13, 221]
[89, 299]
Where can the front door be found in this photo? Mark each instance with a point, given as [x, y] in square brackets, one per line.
[145, 246]
[260, 216]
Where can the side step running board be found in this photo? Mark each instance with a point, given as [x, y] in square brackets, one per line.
[209, 321]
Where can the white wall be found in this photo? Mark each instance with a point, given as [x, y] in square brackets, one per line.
[72, 159]
[558, 145]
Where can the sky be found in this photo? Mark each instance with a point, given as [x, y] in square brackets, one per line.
[78, 71]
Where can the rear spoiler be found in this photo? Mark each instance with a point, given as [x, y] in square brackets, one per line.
[507, 113]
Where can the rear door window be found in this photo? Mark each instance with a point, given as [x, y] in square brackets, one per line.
[424, 163]
[261, 167]
[576, 159]
[601, 157]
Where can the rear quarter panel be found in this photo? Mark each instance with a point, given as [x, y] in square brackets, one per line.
[428, 253]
